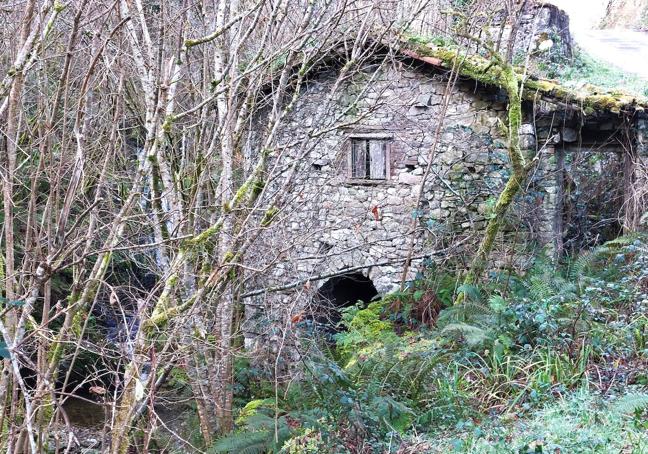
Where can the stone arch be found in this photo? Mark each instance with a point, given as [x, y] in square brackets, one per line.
[337, 293]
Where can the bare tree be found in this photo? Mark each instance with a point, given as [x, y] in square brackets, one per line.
[141, 143]
[145, 159]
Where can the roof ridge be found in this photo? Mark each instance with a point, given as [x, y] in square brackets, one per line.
[589, 98]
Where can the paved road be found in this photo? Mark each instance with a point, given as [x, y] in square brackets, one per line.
[626, 49]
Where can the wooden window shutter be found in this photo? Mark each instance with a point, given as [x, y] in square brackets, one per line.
[378, 159]
[359, 158]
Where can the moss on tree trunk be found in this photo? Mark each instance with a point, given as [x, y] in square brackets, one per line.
[507, 79]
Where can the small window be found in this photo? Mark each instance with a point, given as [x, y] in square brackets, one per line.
[369, 159]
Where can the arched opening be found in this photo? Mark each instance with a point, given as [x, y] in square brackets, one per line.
[337, 293]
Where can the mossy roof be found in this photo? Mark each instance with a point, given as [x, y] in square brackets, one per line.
[586, 98]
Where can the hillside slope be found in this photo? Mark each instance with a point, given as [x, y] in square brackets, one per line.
[626, 14]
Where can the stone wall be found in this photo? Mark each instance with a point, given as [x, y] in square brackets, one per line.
[347, 223]
[545, 27]
[543, 36]
[334, 224]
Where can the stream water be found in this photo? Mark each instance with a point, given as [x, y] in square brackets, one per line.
[85, 413]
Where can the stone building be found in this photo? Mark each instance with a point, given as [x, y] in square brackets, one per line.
[400, 164]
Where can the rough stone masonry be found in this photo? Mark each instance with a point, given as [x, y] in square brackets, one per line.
[360, 160]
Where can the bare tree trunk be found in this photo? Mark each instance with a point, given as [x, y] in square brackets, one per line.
[510, 82]
[560, 205]
[126, 148]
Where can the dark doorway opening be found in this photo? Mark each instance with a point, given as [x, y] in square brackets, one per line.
[337, 293]
[593, 197]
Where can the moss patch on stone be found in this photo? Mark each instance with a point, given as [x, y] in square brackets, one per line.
[587, 98]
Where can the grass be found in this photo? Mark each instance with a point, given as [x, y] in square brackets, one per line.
[586, 69]
[580, 423]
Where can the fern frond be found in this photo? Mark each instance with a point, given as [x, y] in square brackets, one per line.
[259, 421]
[252, 408]
[467, 311]
[473, 335]
[584, 262]
[625, 240]
[257, 437]
[260, 448]
[243, 442]
[630, 403]
[472, 293]
[540, 288]
[497, 304]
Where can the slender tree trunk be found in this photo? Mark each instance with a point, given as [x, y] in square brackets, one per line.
[560, 204]
[511, 84]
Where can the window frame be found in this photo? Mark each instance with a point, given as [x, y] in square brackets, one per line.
[385, 138]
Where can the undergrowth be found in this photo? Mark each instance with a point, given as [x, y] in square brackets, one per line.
[552, 361]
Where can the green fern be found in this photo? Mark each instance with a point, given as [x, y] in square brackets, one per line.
[467, 312]
[472, 293]
[471, 334]
[630, 403]
[542, 280]
[540, 288]
[252, 408]
[243, 442]
[471, 322]
[257, 437]
[625, 240]
[545, 283]
[585, 262]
